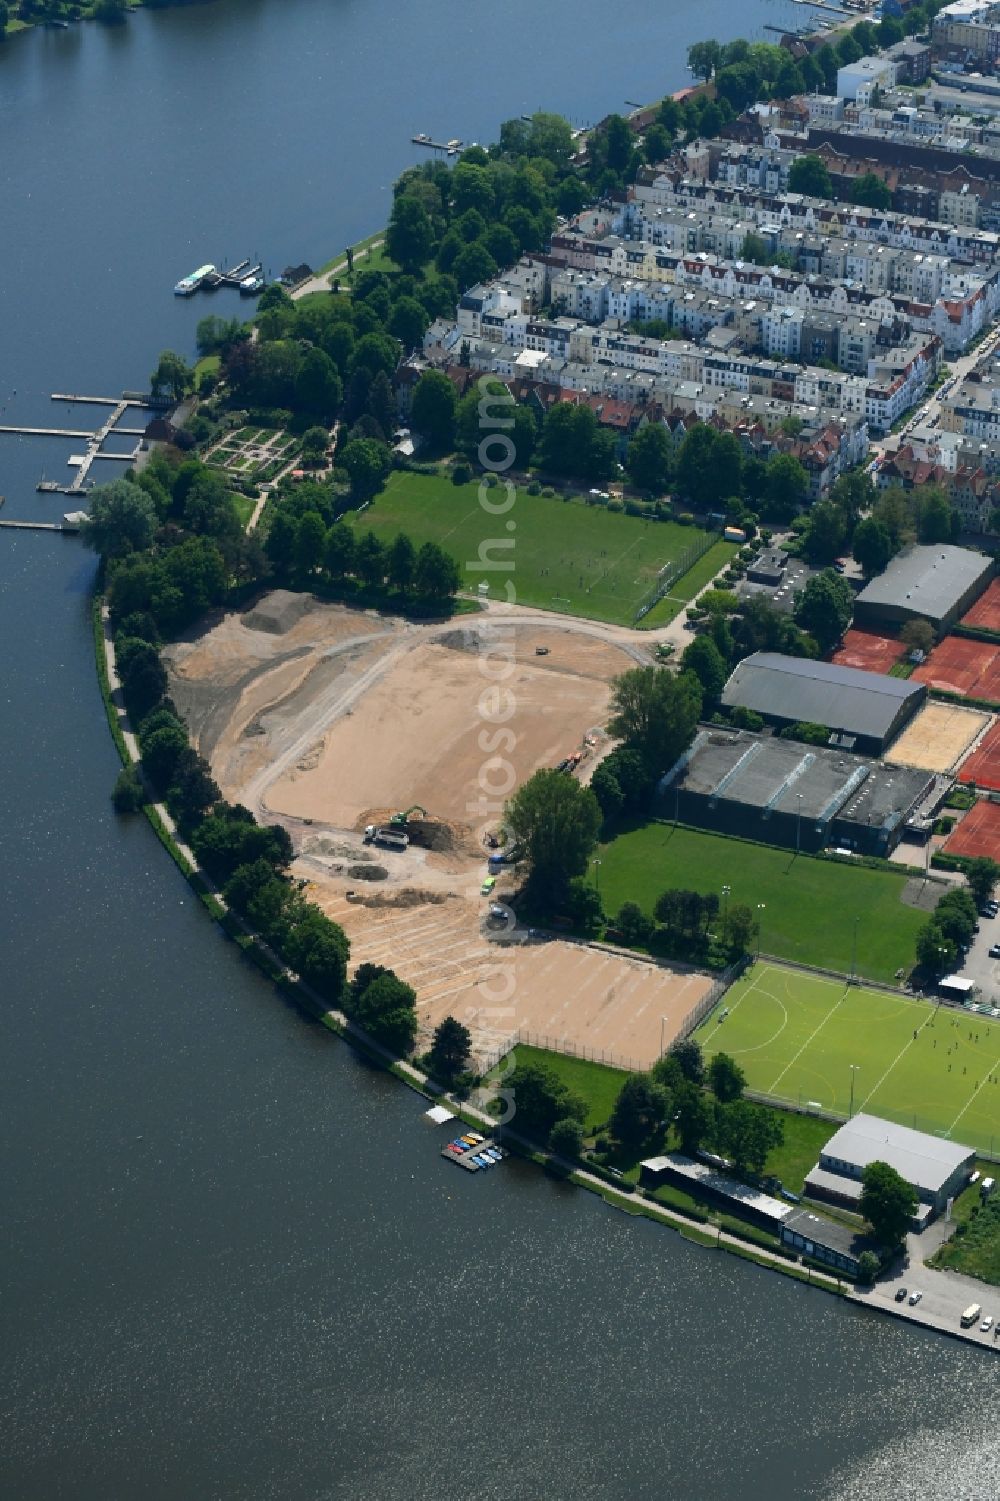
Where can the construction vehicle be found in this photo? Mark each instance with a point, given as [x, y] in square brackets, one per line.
[392, 839]
[400, 820]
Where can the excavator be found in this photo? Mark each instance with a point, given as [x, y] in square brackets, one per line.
[400, 820]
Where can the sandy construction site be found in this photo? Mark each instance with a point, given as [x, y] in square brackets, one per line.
[326, 719]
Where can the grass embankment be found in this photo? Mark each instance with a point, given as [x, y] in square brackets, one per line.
[976, 1249]
[366, 258]
[690, 584]
[565, 555]
[809, 904]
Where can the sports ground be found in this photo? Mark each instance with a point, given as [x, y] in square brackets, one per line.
[801, 1038]
[982, 768]
[985, 613]
[868, 650]
[959, 665]
[978, 832]
[938, 737]
[565, 555]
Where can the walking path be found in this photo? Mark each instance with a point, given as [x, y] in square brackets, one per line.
[321, 282]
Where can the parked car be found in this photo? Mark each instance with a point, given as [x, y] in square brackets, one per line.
[487, 886]
[900, 1294]
[995, 950]
[915, 1298]
[987, 1324]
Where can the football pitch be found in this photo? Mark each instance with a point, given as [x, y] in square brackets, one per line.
[801, 1039]
[564, 555]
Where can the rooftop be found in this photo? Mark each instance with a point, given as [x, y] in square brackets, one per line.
[796, 688]
[929, 581]
[925, 1161]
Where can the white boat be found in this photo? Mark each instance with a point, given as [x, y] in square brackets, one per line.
[250, 286]
[189, 284]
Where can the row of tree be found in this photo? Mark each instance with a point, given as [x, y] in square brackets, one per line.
[689, 925]
[949, 931]
[305, 551]
[711, 467]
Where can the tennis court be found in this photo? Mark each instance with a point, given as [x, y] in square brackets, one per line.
[982, 768]
[957, 665]
[938, 737]
[985, 613]
[978, 833]
[868, 650]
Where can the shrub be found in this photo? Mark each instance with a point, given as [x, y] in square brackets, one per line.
[548, 492]
[461, 474]
[685, 518]
[534, 488]
[614, 504]
[128, 796]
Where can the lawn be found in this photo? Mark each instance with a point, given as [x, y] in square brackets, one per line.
[692, 583]
[566, 556]
[802, 1038]
[976, 1252]
[244, 509]
[810, 906]
[598, 1084]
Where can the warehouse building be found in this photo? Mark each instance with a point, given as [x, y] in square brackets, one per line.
[937, 1169]
[937, 584]
[865, 710]
[796, 796]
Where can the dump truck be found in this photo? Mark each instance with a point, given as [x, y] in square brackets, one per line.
[390, 839]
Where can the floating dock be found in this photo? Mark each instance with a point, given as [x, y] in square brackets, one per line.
[473, 1152]
[94, 438]
[452, 147]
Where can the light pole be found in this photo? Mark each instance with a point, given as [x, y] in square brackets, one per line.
[854, 951]
[597, 874]
[761, 907]
[662, 1020]
[798, 823]
[854, 1069]
[725, 902]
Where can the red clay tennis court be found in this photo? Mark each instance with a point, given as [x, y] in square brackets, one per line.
[971, 668]
[983, 766]
[868, 650]
[985, 613]
[978, 833]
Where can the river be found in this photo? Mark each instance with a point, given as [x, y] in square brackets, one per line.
[233, 1263]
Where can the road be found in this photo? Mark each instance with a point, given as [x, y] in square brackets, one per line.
[929, 413]
[945, 1294]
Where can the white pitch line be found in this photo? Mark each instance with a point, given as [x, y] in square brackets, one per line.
[973, 1095]
[904, 1049]
[811, 1038]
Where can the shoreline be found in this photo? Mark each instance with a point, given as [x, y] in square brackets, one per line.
[635, 1202]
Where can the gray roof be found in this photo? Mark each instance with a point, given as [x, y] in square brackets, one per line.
[824, 1232]
[795, 688]
[721, 1183]
[925, 1161]
[930, 581]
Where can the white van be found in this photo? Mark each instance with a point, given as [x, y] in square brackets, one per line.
[971, 1314]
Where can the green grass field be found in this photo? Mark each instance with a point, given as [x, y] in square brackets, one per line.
[810, 905]
[797, 1036]
[598, 1084]
[692, 583]
[567, 556]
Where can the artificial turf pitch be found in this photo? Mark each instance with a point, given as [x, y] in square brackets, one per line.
[564, 556]
[796, 1037]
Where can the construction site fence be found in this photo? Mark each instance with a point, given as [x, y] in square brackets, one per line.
[673, 571]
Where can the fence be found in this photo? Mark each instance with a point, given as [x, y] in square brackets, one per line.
[671, 572]
[696, 1016]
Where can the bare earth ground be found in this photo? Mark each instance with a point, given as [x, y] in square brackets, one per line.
[938, 737]
[324, 718]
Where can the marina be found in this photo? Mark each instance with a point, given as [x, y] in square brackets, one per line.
[94, 438]
[451, 148]
[246, 276]
[473, 1152]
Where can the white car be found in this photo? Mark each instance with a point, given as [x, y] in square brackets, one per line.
[915, 1298]
[987, 1324]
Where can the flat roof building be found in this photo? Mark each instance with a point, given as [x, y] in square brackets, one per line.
[796, 796]
[936, 583]
[937, 1169]
[823, 1240]
[866, 707]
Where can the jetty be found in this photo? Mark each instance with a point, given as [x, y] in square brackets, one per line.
[452, 147]
[38, 526]
[94, 438]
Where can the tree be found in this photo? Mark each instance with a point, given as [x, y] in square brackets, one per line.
[955, 915]
[402, 560]
[785, 487]
[318, 387]
[740, 927]
[887, 1202]
[694, 1117]
[368, 463]
[473, 264]
[386, 1009]
[635, 927]
[809, 175]
[314, 443]
[871, 191]
[688, 1056]
[122, 519]
[541, 1099]
[639, 1111]
[872, 546]
[128, 795]
[433, 410]
[143, 676]
[317, 949]
[918, 635]
[826, 532]
[709, 465]
[554, 821]
[982, 874]
[704, 58]
[370, 560]
[436, 575]
[702, 657]
[408, 322]
[338, 550]
[746, 1133]
[449, 1051]
[4, 16]
[409, 237]
[649, 458]
[655, 713]
[172, 373]
[566, 1138]
[824, 608]
[869, 1267]
[934, 516]
[726, 1079]
[935, 951]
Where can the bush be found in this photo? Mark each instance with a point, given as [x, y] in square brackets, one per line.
[614, 504]
[685, 518]
[548, 492]
[461, 474]
[128, 796]
[534, 488]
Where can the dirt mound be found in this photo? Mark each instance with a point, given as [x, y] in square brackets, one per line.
[367, 873]
[409, 896]
[425, 833]
[278, 612]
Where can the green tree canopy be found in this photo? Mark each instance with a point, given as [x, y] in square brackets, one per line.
[703, 658]
[122, 519]
[409, 238]
[540, 1099]
[386, 1009]
[555, 822]
[824, 608]
[887, 1202]
[433, 410]
[809, 175]
[872, 546]
[639, 1111]
[726, 1079]
[655, 713]
[450, 1050]
[649, 458]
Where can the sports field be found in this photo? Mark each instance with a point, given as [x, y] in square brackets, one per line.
[807, 907]
[985, 613]
[978, 832]
[983, 767]
[565, 555]
[959, 665]
[797, 1036]
[938, 736]
[868, 650]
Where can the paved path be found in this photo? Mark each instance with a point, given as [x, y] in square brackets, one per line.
[321, 282]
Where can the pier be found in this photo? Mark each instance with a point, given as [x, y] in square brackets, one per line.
[451, 147]
[94, 439]
[38, 526]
